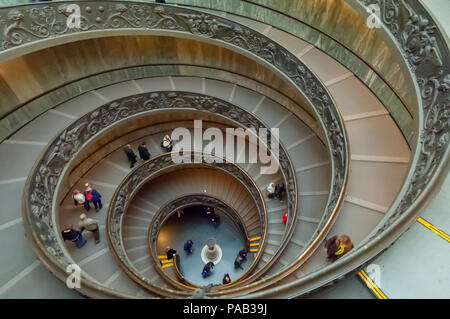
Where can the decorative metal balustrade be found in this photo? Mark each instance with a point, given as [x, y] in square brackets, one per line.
[427, 53]
[172, 206]
[65, 147]
[158, 166]
[23, 26]
[227, 214]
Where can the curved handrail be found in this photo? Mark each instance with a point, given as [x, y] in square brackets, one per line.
[342, 44]
[179, 274]
[39, 195]
[431, 157]
[170, 208]
[90, 125]
[358, 59]
[143, 173]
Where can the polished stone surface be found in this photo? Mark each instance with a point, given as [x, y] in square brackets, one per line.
[196, 227]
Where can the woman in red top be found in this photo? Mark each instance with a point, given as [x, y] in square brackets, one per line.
[93, 196]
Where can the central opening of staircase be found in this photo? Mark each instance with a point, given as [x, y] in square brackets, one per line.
[215, 239]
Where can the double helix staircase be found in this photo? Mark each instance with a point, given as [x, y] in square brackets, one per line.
[381, 153]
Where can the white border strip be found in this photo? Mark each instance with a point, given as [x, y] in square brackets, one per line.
[348, 118]
[19, 276]
[366, 204]
[13, 180]
[10, 223]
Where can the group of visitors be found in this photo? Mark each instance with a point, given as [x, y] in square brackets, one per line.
[241, 257]
[90, 195]
[143, 151]
[144, 154]
[207, 271]
[275, 190]
[213, 218]
[76, 236]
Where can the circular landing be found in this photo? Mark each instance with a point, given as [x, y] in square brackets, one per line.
[194, 225]
[218, 257]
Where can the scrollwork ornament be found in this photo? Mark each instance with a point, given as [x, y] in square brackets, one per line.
[21, 26]
[428, 57]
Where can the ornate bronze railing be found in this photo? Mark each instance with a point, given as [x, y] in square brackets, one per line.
[141, 175]
[58, 156]
[19, 31]
[184, 201]
[427, 53]
[169, 209]
[179, 274]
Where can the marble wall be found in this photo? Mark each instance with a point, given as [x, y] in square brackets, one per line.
[30, 76]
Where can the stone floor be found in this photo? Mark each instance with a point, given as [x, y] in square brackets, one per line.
[195, 226]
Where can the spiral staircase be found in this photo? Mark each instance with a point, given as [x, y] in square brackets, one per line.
[363, 118]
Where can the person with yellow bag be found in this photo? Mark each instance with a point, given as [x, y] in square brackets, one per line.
[337, 246]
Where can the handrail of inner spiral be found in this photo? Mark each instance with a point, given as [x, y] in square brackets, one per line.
[144, 172]
[176, 21]
[168, 210]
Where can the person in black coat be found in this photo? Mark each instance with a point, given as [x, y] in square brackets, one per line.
[238, 262]
[226, 279]
[143, 152]
[243, 254]
[207, 269]
[279, 191]
[214, 220]
[188, 247]
[170, 252]
[130, 154]
[73, 235]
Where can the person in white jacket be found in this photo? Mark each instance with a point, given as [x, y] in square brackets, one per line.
[79, 199]
[270, 191]
[91, 225]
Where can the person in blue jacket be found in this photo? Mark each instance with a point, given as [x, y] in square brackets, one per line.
[93, 196]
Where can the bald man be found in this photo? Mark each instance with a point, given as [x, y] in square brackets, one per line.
[91, 225]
